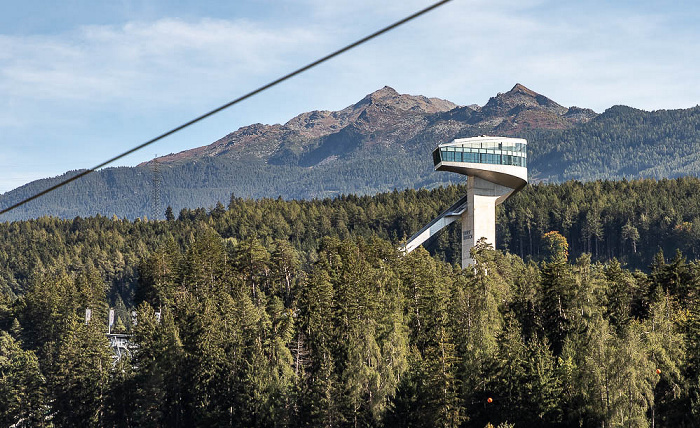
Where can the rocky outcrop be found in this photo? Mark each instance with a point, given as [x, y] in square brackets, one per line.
[386, 118]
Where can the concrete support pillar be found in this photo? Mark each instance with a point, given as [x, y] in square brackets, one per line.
[479, 220]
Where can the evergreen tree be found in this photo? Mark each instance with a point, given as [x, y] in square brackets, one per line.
[558, 294]
[22, 386]
[79, 382]
[320, 386]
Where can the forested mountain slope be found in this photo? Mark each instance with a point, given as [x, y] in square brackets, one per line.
[277, 313]
[381, 143]
[621, 142]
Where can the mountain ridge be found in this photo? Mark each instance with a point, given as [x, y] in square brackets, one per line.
[382, 142]
[309, 125]
[378, 118]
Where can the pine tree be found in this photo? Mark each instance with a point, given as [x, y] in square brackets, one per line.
[620, 290]
[158, 276]
[320, 386]
[252, 259]
[558, 294]
[22, 386]
[158, 398]
[284, 264]
[79, 382]
[428, 285]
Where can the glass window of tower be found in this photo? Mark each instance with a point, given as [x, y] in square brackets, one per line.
[489, 152]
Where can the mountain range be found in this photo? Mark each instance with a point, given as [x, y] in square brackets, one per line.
[380, 143]
[384, 119]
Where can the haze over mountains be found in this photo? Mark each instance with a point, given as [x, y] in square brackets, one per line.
[380, 143]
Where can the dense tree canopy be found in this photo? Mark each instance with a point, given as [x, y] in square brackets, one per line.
[305, 313]
[627, 220]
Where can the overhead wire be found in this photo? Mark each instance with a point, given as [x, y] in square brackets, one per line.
[229, 104]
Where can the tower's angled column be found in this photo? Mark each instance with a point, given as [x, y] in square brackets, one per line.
[479, 220]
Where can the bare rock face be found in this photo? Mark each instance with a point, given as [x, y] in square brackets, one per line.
[386, 119]
[522, 108]
[389, 98]
[319, 123]
[579, 115]
[520, 98]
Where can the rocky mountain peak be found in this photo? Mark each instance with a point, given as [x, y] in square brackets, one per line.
[520, 89]
[520, 98]
[380, 102]
[386, 117]
[383, 93]
[388, 97]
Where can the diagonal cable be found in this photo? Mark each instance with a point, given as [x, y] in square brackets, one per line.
[231, 103]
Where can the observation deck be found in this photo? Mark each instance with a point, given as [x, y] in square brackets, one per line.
[496, 167]
[499, 160]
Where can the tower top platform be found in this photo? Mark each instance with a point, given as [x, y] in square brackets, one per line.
[500, 160]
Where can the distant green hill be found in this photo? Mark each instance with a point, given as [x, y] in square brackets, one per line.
[381, 143]
[621, 142]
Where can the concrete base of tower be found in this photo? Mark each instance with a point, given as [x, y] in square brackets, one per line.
[479, 219]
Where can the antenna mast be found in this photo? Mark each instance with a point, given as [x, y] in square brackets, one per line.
[157, 177]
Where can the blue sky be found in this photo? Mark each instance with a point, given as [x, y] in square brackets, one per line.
[82, 81]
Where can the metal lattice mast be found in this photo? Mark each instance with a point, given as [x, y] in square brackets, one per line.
[156, 211]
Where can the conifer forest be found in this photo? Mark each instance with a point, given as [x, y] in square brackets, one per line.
[305, 313]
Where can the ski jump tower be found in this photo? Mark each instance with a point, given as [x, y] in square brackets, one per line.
[496, 167]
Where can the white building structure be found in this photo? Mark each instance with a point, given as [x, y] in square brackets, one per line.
[496, 167]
